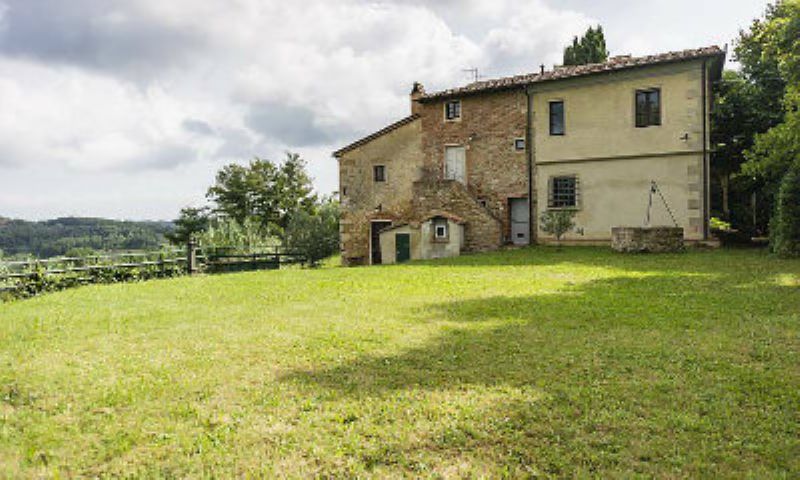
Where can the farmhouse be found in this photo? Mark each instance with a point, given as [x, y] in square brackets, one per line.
[472, 168]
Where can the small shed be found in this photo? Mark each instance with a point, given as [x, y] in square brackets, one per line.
[437, 235]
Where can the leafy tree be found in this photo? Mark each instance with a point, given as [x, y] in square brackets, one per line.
[315, 234]
[268, 193]
[739, 112]
[785, 225]
[557, 222]
[188, 225]
[770, 52]
[590, 48]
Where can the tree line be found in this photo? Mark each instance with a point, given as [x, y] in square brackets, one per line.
[78, 236]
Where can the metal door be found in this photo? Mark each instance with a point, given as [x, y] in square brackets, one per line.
[402, 242]
[520, 221]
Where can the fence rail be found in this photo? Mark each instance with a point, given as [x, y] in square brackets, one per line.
[18, 275]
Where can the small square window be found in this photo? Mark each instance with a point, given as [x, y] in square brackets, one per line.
[379, 173]
[452, 110]
[557, 118]
[441, 231]
[519, 144]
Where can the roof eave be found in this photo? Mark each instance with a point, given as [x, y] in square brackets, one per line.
[439, 96]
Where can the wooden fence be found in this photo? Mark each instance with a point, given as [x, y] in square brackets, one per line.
[15, 275]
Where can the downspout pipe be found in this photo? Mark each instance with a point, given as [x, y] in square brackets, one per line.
[706, 166]
[529, 151]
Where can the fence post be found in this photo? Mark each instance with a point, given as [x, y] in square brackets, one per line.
[191, 257]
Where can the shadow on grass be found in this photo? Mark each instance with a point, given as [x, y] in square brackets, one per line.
[619, 326]
[614, 376]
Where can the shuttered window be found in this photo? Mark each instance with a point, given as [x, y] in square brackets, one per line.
[648, 107]
[452, 110]
[563, 192]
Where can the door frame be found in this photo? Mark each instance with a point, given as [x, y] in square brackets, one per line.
[371, 221]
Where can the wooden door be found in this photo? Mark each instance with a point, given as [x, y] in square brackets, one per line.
[402, 242]
[455, 164]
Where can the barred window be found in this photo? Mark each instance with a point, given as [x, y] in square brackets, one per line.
[452, 110]
[563, 192]
[648, 107]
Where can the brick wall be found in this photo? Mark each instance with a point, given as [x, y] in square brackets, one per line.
[488, 126]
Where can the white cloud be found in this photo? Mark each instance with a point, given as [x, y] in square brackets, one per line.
[159, 94]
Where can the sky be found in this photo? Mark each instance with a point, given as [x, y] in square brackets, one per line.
[127, 108]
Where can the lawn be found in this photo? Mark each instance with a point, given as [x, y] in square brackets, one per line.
[533, 362]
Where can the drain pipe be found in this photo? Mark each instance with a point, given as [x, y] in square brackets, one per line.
[529, 153]
[706, 193]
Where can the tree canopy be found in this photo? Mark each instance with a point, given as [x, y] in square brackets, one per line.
[264, 191]
[590, 48]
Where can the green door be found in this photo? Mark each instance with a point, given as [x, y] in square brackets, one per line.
[402, 242]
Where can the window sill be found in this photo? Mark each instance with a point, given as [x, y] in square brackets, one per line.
[575, 209]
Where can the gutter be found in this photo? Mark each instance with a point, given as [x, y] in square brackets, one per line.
[529, 153]
[706, 166]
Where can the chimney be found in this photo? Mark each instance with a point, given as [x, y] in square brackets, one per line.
[541, 69]
[416, 93]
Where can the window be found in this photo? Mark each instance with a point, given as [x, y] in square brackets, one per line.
[440, 229]
[648, 107]
[563, 192]
[344, 191]
[519, 144]
[557, 118]
[379, 173]
[452, 110]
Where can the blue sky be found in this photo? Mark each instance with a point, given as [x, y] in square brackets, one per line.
[126, 108]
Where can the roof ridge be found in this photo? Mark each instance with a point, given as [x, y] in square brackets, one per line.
[618, 62]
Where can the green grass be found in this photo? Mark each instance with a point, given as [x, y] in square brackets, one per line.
[534, 362]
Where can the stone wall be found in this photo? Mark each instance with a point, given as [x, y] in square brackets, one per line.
[647, 239]
[364, 200]
[482, 230]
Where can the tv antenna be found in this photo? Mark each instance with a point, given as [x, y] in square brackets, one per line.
[473, 72]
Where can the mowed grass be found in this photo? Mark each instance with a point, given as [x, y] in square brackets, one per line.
[533, 362]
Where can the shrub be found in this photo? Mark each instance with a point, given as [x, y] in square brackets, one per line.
[785, 224]
[315, 236]
[232, 237]
[557, 222]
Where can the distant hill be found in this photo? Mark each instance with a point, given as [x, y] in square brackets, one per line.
[50, 238]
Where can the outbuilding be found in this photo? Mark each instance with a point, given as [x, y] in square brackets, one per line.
[437, 235]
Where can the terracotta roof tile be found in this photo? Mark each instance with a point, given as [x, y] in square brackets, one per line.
[613, 64]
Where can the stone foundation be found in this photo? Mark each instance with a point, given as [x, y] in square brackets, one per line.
[647, 240]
